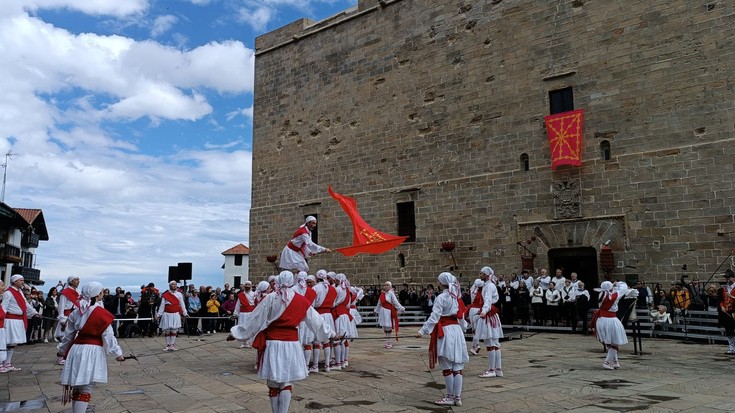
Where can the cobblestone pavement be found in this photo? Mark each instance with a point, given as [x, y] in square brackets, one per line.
[544, 372]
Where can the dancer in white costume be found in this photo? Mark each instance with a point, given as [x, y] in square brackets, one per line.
[323, 304]
[87, 337]
[446, 324]
[300, 248]
[274, 327]
[608, 328]
[474, 313]
[169, 314]
[306, 336]
[387, 310]
[489, 329]
[17, 312]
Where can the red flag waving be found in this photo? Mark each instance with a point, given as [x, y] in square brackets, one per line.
[364, 237]
[565, 137]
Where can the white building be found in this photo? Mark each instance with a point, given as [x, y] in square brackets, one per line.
[236, 265]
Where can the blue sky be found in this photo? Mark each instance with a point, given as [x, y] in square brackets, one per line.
[131, 121]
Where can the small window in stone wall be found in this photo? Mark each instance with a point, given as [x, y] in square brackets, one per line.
[406, 220]
[605, 152]
[524, 162]
[315, 231]
[401, 260]
[561, 100]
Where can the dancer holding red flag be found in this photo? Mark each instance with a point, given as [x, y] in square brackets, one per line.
[298, 251]
[387, 310]
[447, 325]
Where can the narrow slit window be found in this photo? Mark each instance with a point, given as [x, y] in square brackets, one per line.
[605, 152]
[524, 162]
[406, 220]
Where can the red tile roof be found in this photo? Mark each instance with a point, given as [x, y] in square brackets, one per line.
[238, 249]
[29, 215]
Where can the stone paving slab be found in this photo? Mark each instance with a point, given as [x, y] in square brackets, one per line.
[544, 372]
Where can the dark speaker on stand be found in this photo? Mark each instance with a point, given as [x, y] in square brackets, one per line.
[173, 273]
[184, 271]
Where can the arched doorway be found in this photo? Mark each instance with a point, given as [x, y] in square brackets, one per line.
[582, 260]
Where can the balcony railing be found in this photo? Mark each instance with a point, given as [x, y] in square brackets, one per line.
[30, 240]
[9, 253]
[31, 275]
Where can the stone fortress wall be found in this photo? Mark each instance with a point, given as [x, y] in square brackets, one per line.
[436, 103]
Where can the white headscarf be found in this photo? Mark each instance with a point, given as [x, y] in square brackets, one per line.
[450, 281]
[283, 285]
[475, 287]
[301, 279]
[321, 274]
[605, 286]
[311, 277]
[90, 290]
[309, 219]
[71, 278]
[15, 278]
[261, 288]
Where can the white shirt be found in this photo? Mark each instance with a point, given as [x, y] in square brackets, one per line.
[179, 296]
[10, 306]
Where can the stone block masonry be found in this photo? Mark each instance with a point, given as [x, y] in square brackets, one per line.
[396, 101]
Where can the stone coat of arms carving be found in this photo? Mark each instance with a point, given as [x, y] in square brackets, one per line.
[567, 198]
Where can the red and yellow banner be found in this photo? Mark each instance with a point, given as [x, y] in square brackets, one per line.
[364, 237]
[565, 137]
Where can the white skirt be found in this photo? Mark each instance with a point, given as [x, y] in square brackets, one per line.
[292, 260]
[306, 336]
[283, 362]
[610, 331]
[453, 346]
[384, 318]
[85, 364]
[241, 318]
[484, 331]
[3, 347]
[328, 320]
[474, 315]
[343, 327]
[170, 321]
[356, 317]
[15, 332]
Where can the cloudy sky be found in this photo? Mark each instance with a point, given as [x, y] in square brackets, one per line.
[130, 121]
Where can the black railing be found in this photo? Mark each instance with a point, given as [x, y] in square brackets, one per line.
[9, 253]
[30, 240]
[31, 275]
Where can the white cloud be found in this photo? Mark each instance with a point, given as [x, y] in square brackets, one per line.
[245, 112]
[256, 17]
[72, 108]
[119, 8]
[162, 24]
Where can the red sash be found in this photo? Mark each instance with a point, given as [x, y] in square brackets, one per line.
[326, 306]
[73, 296]
[477, 302]
[310, 295]
[607, 303]
[436, 334]
[344, 307]
[172, 303]
[285, 327]
[245, 306]
[299, 232]
[2, 317]
[727, 303]
[23, 307]
[91, 332]
[393, 312]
